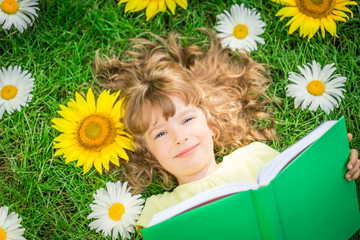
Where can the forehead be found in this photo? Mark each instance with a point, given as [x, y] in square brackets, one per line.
[161, 113]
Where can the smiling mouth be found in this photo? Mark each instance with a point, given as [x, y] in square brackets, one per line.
[187, 152]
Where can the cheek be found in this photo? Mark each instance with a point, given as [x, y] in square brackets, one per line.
[151, 148]
[206, 132]
[208, 139]
[159, 152]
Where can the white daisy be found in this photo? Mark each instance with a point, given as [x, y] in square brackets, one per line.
[316, 87]
[15, 89]
[240, 29]
[10, 227]
[116, 210]
[19, 13]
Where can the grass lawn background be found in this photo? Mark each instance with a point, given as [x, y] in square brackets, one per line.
[53, 198]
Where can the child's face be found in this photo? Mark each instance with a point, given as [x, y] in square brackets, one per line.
[183, 144]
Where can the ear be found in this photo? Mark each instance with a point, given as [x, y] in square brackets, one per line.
[212, 132]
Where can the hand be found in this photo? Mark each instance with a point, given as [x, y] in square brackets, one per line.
[354, 163]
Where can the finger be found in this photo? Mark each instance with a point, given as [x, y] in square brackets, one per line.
[353, 176]
[354, 155]
[356, 175]
[353, 173]
[350, 136]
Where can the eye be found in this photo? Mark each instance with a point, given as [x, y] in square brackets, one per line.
[188, 119]
[160, 134]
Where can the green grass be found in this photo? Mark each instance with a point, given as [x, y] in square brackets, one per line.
[53, 198]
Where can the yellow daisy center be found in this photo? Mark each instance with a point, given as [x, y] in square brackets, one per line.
[116, 211]
[8, 92]
[316, 8]
[240, 31]
[9, 6]
[316, 87]
[96, 132]
[2, 234]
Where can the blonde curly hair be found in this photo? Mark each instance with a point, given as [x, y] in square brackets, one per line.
[227, 86]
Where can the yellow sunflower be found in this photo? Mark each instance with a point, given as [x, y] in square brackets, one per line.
[310, 15]
[92, 132]
[153, 6]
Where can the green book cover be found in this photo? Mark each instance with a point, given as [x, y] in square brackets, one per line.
[308, 199]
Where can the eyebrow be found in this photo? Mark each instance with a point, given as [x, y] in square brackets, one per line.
[181, 115]
[154, 128]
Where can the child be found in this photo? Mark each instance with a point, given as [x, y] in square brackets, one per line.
[180, 104]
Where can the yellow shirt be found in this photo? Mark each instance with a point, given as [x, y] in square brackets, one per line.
[242, 165]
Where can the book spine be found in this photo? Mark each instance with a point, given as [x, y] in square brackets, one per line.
[267, 213]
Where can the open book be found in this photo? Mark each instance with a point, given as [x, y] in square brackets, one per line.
[300, 194]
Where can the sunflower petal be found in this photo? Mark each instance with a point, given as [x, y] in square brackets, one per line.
[64, 125]
[152, 9]
[90, 152]
[98, 165]
[310, 21]
[124, 142]
[171, 5]
[82, 105]
[90, 100]
[182, 3]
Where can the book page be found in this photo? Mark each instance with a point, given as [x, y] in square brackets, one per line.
[202, 198]
[271, 169]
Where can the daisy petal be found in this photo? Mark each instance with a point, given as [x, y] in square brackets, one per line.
[10, 224]
[240, 28]
[316, 87]
[19, 14]
[15, 88]
[120, 213]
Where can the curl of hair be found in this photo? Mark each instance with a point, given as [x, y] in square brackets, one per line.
[228, 87]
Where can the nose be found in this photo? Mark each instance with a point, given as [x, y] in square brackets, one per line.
[179, 137]
[181, 140]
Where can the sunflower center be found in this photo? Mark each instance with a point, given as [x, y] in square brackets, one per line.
[316, 87]
[9, 6]
[316, 8]
[8, 92]
[240, 31]
[116, 211]
[95, 132]
[2, 234]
